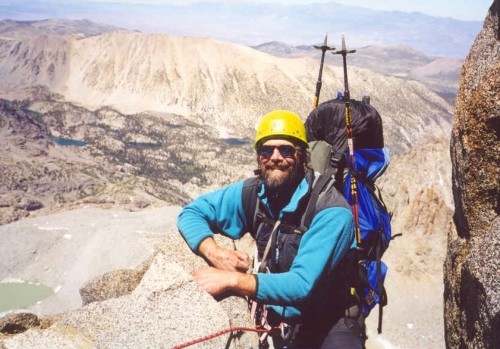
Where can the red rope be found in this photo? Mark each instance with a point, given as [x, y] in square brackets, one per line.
[220, 333]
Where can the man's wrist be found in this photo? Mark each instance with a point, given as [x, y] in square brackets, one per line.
[208, 247]
[244, 284]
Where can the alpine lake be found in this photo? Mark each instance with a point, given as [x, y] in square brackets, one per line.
[18, 294]
[69, 142]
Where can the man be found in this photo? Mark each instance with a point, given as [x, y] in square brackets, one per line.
[304, 272]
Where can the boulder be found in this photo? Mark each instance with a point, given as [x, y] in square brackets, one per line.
[472, 274]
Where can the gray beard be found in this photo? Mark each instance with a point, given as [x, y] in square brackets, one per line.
[276, 180]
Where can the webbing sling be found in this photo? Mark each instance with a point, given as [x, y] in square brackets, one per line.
[270, 242]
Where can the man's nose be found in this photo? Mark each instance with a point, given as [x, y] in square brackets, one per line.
[276, 155]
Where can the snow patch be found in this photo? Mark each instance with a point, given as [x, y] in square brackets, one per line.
[12, 281]
[385, 343]
[53, 228]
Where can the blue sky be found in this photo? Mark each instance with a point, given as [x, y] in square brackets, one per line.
[361, 20]
[459, 9]
[473, 10]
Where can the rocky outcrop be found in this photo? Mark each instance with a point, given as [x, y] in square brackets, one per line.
[22, 131]
[155, 305]
[18, 323]
[472, 277]
[33, 174]
[38, 176]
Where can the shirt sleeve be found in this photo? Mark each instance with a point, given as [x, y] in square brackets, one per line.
[220, 211]
[329, 237]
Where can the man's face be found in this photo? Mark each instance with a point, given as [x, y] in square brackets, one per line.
[278, 169]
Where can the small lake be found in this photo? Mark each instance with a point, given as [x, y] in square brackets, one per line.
[174, 125]
[69, 142]
[18, 294]
[234, 141]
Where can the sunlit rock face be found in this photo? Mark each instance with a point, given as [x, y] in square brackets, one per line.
[472, 274]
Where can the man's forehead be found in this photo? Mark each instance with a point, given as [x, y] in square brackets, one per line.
[278, 141]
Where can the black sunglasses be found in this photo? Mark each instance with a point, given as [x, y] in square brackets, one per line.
[287, 151]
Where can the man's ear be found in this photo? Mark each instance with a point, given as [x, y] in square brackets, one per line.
[257, 170]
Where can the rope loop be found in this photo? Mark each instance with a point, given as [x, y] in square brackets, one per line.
[273, 332]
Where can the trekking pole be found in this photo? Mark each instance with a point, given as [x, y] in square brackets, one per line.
[348, 124]
[323, 49]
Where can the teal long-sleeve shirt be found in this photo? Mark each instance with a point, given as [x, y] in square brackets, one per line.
[329, 237]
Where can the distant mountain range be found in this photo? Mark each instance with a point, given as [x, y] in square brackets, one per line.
[440, 74]
[254, 24]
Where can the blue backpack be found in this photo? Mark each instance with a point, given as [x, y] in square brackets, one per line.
[326, 132]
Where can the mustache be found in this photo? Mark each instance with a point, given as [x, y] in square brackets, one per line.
[276, 167]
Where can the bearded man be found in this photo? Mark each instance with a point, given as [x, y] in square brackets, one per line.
[302, 275]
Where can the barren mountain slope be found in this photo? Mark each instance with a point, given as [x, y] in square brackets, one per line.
[35, 60]
[217, 84]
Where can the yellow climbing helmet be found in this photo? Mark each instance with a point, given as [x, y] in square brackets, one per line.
[281, 123]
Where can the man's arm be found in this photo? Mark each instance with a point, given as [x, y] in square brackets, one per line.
[322, 247]
[218, 211]
[223, 259]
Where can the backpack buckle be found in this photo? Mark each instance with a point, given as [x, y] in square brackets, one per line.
[337, 160]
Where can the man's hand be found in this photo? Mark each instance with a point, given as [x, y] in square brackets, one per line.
[216, 281]
[224, 259]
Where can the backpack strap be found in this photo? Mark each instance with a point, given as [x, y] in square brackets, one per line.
[382, 294]
[251, 202]
[321, 184]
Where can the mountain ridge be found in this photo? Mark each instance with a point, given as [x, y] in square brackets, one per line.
[401, 61]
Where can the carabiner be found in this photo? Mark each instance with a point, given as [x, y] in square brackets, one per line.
[286, 331]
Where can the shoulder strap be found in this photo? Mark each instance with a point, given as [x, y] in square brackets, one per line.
[319, 185]
[322, 183]
[250, 201]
